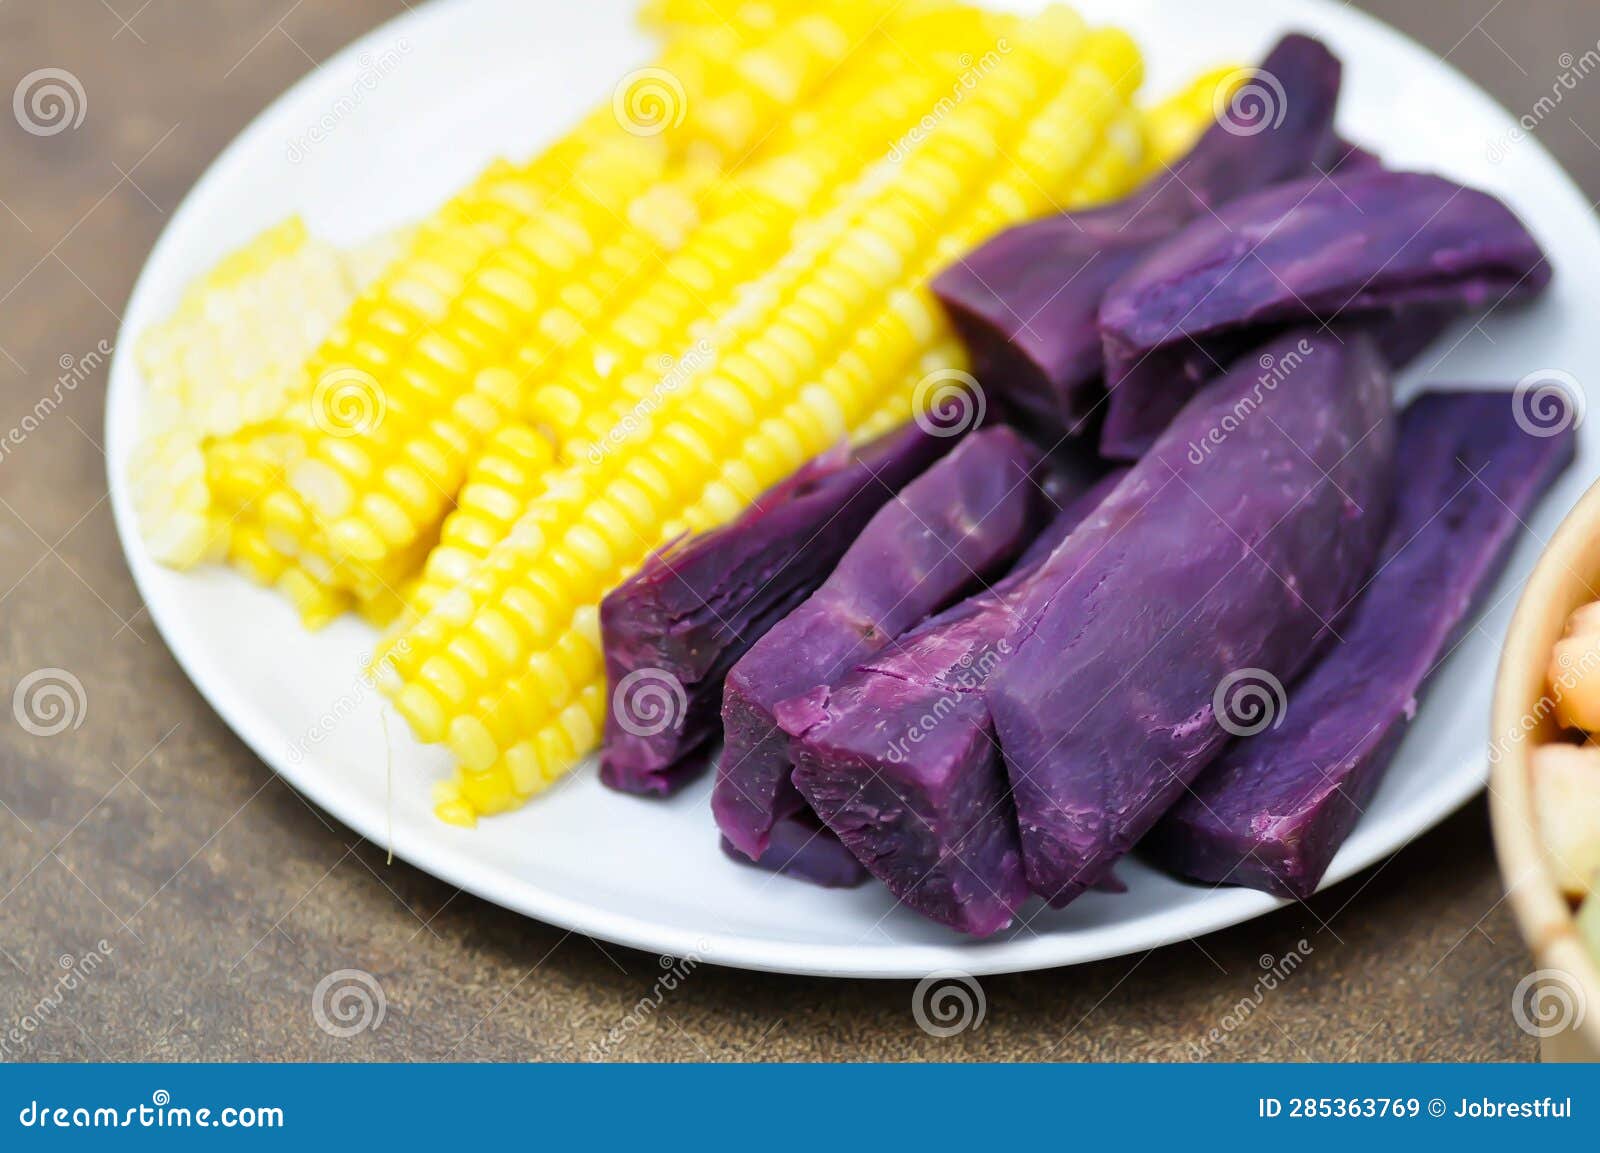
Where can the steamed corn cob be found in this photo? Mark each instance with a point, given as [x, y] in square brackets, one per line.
[226, 358]
[599, 521]
[368, 490]
[629, 360]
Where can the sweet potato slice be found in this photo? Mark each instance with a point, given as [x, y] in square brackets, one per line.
[961, 522]
[1228, 548]
[1367, 241]
[1271, 813]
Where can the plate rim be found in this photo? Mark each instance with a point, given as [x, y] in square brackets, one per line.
[1224, 908]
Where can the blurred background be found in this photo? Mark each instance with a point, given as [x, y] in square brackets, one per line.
[217, 898]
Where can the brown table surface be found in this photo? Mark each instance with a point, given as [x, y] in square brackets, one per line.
[223, 898]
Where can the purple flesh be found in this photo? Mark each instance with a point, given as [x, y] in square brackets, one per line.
[801, 848]
[898, 759]
[963, 520]
[1271, 813]
[1026, 304]
[1252, 521]
[697, 605]
[1371, 241]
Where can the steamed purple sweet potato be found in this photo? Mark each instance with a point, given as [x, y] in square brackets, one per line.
[960, 522]
[1026, 304]
[1369, 241]
[1229, 547]
[697, 605]
[1278, 126]
[898, 760]
[1275, 808]
[801, 847]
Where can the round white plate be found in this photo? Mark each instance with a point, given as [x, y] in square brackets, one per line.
[387, 128]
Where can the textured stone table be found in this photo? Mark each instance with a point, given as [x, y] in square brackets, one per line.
[222, 898]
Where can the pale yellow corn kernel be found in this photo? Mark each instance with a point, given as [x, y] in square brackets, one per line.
[316, 603]
[472, 744]
[1574, 672]
[554, 750]
[527, 776]
[457, 812]
[423, 712]
[488, 792]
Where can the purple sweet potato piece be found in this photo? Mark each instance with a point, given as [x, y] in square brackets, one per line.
[1026, 304]
[898, 759]
[960, 522]
[918, 795]
[1278, 127]
[697, 605]
[1370, 241]
[801, 847]
[1273, 810]
[1221, 551]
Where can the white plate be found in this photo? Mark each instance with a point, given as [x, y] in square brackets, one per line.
[460, 81]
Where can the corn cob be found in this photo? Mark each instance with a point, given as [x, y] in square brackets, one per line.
[935, 180]
[226, 358]
[415, 291]
[634, 348]
[369, 491]
[576, 496]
